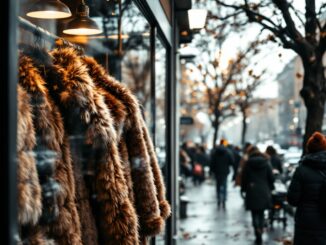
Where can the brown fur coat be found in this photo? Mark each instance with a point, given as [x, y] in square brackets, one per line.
[148, 191]
[50, 135]
[85, 114]
[29, 189]
[158, 178]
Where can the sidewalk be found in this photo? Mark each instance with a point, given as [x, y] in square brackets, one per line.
[205, 225]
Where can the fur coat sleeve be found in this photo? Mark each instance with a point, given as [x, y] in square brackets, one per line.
[80, 100]
[144, 189]
[28, 185]
[29, 189]
[65, 227]
[158, 178]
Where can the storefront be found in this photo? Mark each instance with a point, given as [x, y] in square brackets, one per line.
[134, 41]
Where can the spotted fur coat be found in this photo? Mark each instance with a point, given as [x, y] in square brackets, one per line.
[65, 228]
[88, 120]
[137, 150]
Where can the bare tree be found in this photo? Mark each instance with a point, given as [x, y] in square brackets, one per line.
[244, 91]
[304, 33]
[221, 97]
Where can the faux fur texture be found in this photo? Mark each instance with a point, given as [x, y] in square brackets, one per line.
[45, 65]
[80, 100]
[118, 113]
[50, 133]
[29, 189]
[35, 236]
[158, 178]
[144, 188]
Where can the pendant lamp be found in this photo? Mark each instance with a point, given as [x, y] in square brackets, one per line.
[82, 24]
[49, 9]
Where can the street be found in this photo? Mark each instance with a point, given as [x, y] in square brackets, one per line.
[206, 225]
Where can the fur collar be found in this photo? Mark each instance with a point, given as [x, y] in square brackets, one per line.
[116, 88]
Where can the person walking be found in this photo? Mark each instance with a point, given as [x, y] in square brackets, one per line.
[307, 193]
[201, 160]
[243, 160]
[221, 161]
[257, 183]
[274, 159]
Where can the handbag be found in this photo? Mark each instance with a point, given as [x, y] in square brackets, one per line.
[198, 169]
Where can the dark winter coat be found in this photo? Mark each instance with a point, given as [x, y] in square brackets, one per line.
[221, 161]
[237, 160]
[257, 182]
[276, 163]
[147, 182]
[304, 191]
[60, 218]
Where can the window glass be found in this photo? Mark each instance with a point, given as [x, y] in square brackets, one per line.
[160, 110]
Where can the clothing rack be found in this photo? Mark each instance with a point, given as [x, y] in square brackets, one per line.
[46, 35]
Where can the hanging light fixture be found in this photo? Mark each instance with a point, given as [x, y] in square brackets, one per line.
[82, 24]
[197, 18]
[49, 9]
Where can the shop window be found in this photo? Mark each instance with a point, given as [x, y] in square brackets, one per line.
[160, 110]
[83, 173]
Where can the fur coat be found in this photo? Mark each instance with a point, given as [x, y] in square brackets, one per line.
[136, 149]
[65, 228]
[88, 120]
[28, 187]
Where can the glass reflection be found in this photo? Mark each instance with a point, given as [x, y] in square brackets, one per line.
[160, 112]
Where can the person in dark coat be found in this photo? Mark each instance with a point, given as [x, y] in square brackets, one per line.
[274, 159]
[201, 160]
[237, 158]
[257, 183]
[304, 193]
[221, 161]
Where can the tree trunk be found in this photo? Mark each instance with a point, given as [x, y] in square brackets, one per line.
[313, 94]
[216, 129]
[244, 127]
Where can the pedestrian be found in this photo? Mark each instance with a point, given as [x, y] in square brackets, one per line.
[237, 158]
[201, 160]
[221, 161]
[274, 159]
[242, 163]
[257, 183]
[307, 193]
[185, 164]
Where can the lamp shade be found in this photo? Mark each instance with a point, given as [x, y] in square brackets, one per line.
[197, 18]
[82, 24]
[49, 9]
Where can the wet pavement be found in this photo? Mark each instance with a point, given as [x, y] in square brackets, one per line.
[206, 225]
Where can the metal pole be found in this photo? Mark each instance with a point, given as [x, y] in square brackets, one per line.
[8, 125]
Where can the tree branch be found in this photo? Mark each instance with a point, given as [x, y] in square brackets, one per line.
[321, 9]
[283, 5]
[289, 36]
[297, 13]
